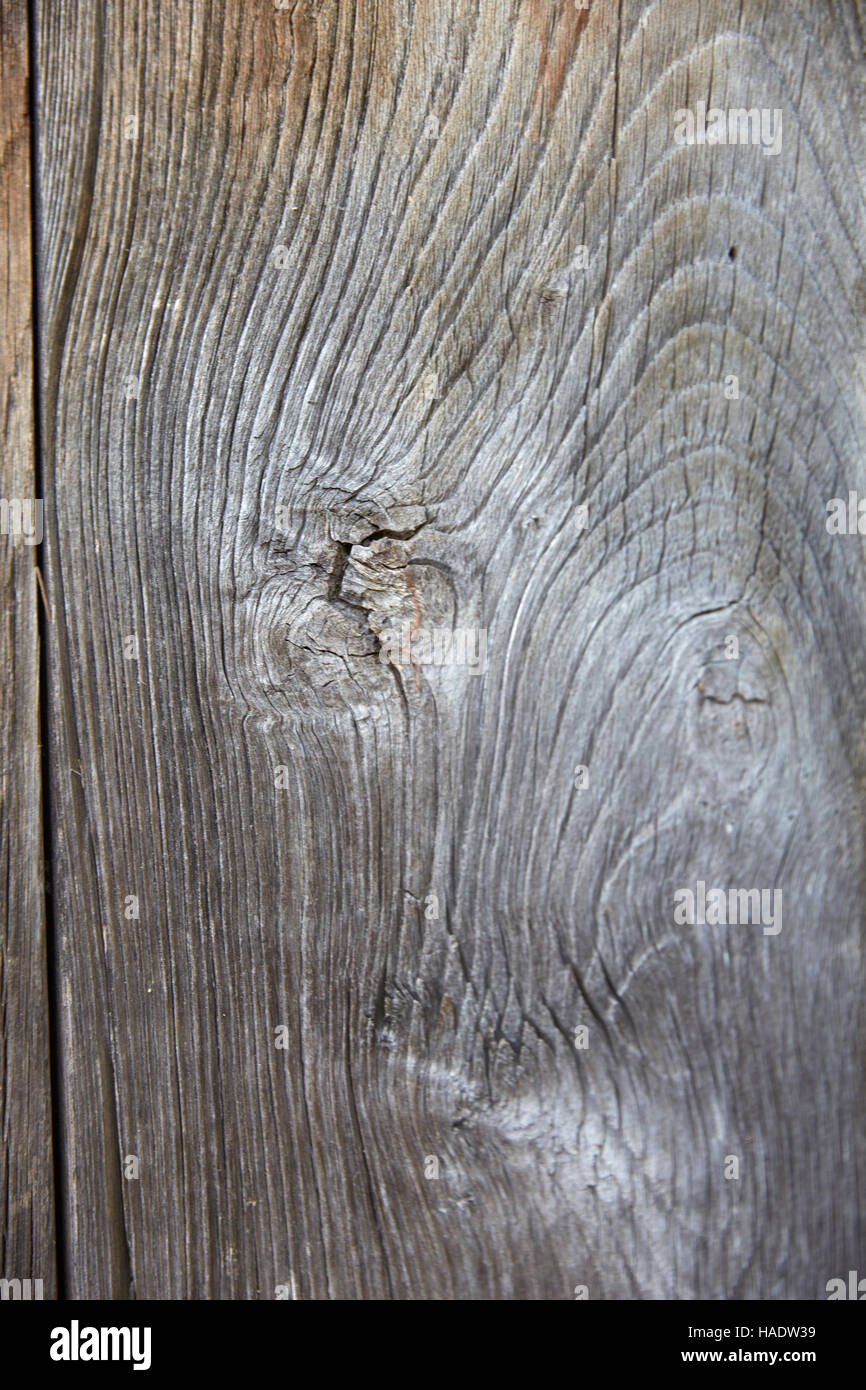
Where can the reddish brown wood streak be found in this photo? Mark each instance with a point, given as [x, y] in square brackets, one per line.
[416, 623]
[568, 25]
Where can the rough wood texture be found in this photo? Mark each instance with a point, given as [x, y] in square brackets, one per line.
[26, 1176]
[321, 354]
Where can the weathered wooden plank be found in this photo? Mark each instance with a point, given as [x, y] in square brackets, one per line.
[351, 311]
[26, 1166]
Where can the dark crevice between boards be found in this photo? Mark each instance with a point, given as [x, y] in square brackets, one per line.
[44, 410]
[51, 973]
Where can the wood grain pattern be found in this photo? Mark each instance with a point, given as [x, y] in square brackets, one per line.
[26, 1166]
[322, 356]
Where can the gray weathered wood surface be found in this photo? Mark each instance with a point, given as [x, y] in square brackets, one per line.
[26, 1163]
[321, 352]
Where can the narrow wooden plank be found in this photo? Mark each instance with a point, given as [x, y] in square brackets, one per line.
[364, 321]
[26, 1164]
